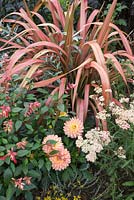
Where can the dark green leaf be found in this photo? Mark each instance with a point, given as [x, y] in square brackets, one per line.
[61, 107]
[22, 153]
[1, 162]
[18, 125]
[34, 174]
[18, 170]
[4, 141]
[2, 148]
[10, 191]
[17, 109]
[13, 167]
[54, 152]
[51, 142]
[44, 109]
[36, 146]
[128, 183]
[7, 174]
[48, 165]
[29, 127]
[2, 198]
[28, 195]
[41, 163]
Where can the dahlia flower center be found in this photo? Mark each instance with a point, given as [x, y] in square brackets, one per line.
[73, 127]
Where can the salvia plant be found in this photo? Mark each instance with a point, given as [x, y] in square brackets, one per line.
[61, 55]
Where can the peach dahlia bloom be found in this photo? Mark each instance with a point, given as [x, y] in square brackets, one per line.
[61, 160]
[73, 128]
[48, 147]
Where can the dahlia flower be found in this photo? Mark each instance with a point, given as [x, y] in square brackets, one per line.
[61, 160]
[49, 146]
[73, 128]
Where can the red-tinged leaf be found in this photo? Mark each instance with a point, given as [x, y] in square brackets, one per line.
[83, 18]
[16, 56]
[19, 35]
[24, 64]
[80, 109]
[51, 7]
[39, 33]
[51, 80]
[105, 26]
[27, 9]
[117, 65]
[48, 81]
[62, 87]
[77, 80]
[14, 45]
[49, 100]
[40, 17]
[125, 54]
[37, 6]
[104, 80]
[25, 26]
[43, 52]
[59, 10]
[97, 52]
[29, 74]
[52, 26]
[118, 103]
[123, 38]
[47, 44]
[91, 19]
[86, 99]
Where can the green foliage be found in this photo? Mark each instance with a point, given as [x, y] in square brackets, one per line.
[116, 15]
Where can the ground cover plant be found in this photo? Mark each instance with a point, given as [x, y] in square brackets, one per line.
[66, 106]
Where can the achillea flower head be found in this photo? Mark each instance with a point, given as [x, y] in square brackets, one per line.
[93, 143]
[8, 125]
[61, 160]
[21, 145]
[73, 128]
[91, 157]
[51, 143]
[122, 124]
[121, 153]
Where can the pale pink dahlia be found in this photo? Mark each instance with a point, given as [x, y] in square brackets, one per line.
[61, 160]
[73, 128]
[51, 143]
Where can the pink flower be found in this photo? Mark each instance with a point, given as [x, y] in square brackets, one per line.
[12, 156]
[27, 180]
[3, 157]
[4, 111]
[32, 107]
[8, 125]
[18, 183]
[51, 143]
[73, 128]
[21, 145]
[61, 160]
